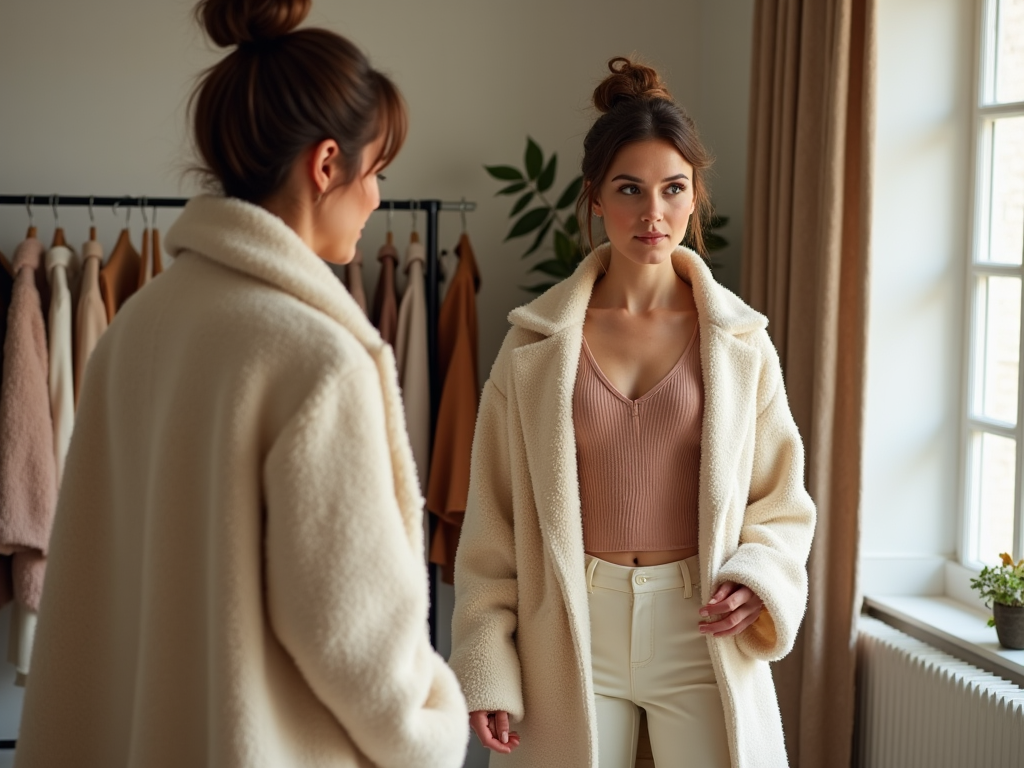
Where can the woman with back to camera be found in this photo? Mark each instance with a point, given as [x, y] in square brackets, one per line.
[236, 575]
[637, 527]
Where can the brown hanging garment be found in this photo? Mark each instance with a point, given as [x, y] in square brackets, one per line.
[385, 304]
[144, 258]
[457, 348]
[158, 262]
[119, 278]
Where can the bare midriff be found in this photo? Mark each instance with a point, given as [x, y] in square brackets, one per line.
[659, 557]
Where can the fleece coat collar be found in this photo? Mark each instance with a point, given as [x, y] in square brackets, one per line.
[559, 315]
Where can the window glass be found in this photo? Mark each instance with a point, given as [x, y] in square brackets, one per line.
[995, 463]
[997, 326]
[1006, 196]
[1009, 51]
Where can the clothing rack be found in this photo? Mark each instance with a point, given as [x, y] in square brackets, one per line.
[431, 208]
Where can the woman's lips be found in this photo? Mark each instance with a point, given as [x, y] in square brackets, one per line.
[651, 239]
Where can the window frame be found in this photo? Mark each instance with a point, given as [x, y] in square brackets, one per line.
[983, 119]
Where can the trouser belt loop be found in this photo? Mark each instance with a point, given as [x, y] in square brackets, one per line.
[687, 584]
[591, 567]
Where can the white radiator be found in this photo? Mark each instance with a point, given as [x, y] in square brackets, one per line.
[918, 706]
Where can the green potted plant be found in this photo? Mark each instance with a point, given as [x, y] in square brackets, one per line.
[1002, 588]
[531, 183]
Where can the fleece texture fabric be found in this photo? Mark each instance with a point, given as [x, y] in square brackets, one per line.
[237, 573]
[521, 631]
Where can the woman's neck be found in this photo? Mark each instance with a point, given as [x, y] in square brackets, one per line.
[638, 288]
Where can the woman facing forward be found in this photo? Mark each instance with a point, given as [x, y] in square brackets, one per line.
[236, 576]
[637, 529]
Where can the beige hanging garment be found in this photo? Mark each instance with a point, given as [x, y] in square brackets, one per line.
[158, 259]
[413, 362]
[354, 279]
[385, 303]
[91, 315]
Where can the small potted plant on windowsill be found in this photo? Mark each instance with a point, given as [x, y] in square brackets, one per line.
[1002, 588]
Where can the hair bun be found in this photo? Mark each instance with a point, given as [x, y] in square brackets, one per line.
[628, 80]
[237, 22]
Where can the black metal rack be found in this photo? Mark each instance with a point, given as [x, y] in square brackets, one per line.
[431, 209]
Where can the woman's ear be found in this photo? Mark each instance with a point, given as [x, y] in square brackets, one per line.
[595, 207]
[323, 165]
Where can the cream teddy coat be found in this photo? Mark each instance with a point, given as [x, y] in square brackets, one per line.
[236, 573]
[520, 633]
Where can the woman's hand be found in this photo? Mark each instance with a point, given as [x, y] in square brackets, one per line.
[735, 608]
[492, 730]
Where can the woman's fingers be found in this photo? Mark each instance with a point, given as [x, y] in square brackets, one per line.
[733, 622]
[723, 591]
[501, 726]
[486, 727]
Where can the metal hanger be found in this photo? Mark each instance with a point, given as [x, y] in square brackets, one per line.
[413, 207]
[31, 220]
[92, 219]
[58, 231]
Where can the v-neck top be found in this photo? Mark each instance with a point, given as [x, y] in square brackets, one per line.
[639, 460]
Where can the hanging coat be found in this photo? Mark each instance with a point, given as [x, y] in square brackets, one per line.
[412, 356]
[458, 351]
[119, 277]
[62, 371]
[158, 258]
[237, 574]
[354, 280]
[91, 314]
[521, 629]
[6, 285]
[28, 476]
[385, 305]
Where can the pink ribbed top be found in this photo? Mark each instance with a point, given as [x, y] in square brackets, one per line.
[639, 460]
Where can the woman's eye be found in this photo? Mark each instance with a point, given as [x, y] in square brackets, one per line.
[675, 189]
[630, 189]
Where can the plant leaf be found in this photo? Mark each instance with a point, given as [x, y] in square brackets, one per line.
[716, 222]
[529, 222]
[521, 203]
[504, 172]
[547, 176]
[540, 238]
[572, 226]
[511, 189]
[554, 267]
[714, 241]
[565, 248]
[538, 288]
[534, 158]
[570, 194]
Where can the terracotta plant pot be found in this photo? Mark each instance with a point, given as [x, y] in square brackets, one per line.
[1009, 625]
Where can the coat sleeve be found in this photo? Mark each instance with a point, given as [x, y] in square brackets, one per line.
[484, 652]
[775, 538]
[346, 592]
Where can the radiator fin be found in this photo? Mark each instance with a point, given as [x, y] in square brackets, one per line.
[920, 707]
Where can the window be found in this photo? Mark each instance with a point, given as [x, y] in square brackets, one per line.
[994, 430]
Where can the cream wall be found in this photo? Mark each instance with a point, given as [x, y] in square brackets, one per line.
[920, 246]
[93, 99]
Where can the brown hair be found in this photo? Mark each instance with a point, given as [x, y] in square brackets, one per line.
[636, 106]
[280, 92]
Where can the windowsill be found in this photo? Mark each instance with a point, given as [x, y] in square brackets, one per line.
[952, 626]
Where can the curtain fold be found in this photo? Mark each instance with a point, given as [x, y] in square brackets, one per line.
[805, 265]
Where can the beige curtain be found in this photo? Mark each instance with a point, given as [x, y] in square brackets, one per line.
[806, 267]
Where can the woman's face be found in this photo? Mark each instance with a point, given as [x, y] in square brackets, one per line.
[343, 211]
[645, 201]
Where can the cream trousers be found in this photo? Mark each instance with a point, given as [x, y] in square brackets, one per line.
[647, 652]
